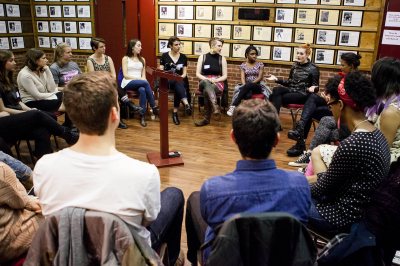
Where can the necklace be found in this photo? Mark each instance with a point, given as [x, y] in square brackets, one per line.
[359, 123]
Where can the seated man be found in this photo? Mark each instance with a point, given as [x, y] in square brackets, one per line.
[255, 186]
[93, 175]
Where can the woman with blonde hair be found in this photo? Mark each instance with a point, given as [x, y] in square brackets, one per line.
[63, 69]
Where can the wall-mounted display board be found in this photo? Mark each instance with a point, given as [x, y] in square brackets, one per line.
[275, 27]
[16, 30]
[71, 21]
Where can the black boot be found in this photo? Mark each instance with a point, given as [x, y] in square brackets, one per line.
[156, 110]
[122, 125]
[143, 121]
[175, 118]
[297, 149]
[70, 136]
[298, 132]
[188, 109]
[134, 108]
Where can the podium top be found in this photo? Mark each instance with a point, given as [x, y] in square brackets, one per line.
[162, 74]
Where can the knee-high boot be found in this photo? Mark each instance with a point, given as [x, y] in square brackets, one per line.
[207, 114]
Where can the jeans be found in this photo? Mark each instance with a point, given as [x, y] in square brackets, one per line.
[145, 93]
[180, 91]
[320, 224]
[22, 171]
[168, 225]
[283, 95]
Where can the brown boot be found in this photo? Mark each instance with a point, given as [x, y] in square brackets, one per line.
[207, 114]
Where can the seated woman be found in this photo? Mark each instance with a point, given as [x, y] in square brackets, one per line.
[63, 68]
[20, 216]
[134, 70]
[36, 84]
[99, 61]
[212, 71]
[341, 191]
[176, 62]
[251, 75]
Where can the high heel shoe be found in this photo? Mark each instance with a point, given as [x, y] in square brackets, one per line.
[143, 121]
[175, 118]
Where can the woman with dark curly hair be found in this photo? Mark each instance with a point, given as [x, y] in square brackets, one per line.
[341, 191]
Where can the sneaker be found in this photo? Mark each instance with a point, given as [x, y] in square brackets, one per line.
[230, 111]
[302, 170]
[297, 149]
[303, 160]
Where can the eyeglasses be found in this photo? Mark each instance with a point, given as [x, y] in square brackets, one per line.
[332, 103]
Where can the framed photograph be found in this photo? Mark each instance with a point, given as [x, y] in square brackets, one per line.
[284, 15]
[328, 17]
[201, 48]
[2, 12]
[222, 31]
[281, 53]
[82, 0]
[44, 42]
[83, 11]
[40, 0]
[204, 0]
[41, 11]
[42, 26]
[17, 42]
[84, 44]
[3, 27]
[4, 44]
[70, 27]
[56, 26]
[221, 0]
[238, 50]
[184, 0]
[304, 35]
[185, 12]
[349, 38]
[354, 2]
[72, 41]
[186, 47]
[306, 16]
[326, 37]
[167, 12]
[202, 30]
[324, 56]
[283, 34]
[14, 27]
[331, 2]
[163, 46]
[224, 13]
[184, 30]
[13, 11]
[69, 11]
[261, 33]
[204, 12]
[308, 2]
[85, 27]
[264, 51]
[54, 0]
[241, 32]
[285, 1]
[352, 18]
[244, 1]
[55, 11]
[265, 1]
[339, 54]
[67, 0]
[166, 29]
[226, 50]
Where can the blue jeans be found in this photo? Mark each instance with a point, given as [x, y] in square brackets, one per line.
[319, 223]
[22, 171]
[168, 225]
[145, 92]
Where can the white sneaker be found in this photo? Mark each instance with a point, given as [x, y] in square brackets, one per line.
[230, 111]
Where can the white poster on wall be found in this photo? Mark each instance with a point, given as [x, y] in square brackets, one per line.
[4, 43]
[391, 37]
[392, 19]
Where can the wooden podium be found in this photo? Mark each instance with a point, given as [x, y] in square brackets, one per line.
[162, 159]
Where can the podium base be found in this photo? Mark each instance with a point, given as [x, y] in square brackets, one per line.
[155, 158]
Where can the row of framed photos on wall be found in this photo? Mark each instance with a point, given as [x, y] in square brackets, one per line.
[75, 43]
[61, 0]
[66, 11]
[10, 10]
[261, 33]
[304, 2]
[311, 16]
[68, 27]
[7, 43]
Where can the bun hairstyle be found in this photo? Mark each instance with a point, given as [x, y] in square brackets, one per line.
[94, 43]
[306, 47]
[351, 59]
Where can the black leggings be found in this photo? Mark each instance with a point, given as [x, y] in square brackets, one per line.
[180, 91]
[47, 105]
[246, 89]
[282, 96]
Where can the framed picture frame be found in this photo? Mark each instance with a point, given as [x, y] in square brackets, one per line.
[349, 38]
[83, 11]
[82, 0]
[55, 11]
[223, 13]
[84, 44]
[222, 31]
[70, 27]
[17, 43]
[306, 16]
[3, 27]
[14, 26]
[85, 27]
[324, 56]
[2, 12]
[284, 15]
[283, 34]
[280, 53]
[41, 11]
[187, 47]
[304, 35]
[163, 46]
[56, 27]
[285, 1]
[185, 0]
[226, 50]
[71, 41]
[308, 2]
[44, 42]
[351, 18]
[69, 11]
[241, 32]
[239, 49]
[261, 33]
[328, 17]
[244, 1]
[42, 26]
[184, 30]
[202, 30]
[13, 11]
[4, 44]
[228, 1]
[203, 0]
[264, 52]
[185, 12]
[201, 48]
[354, 2]
[326, 37]
[339, 54]
[204, 12]
[166, 12]
[331, 2]
[40, 0]
[166, 29]
[164, 1]
[265, 1]
[55, 41]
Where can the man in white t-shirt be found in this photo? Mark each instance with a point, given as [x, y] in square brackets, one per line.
[93, 175]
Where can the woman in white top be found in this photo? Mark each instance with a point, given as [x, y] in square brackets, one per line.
[133, 68]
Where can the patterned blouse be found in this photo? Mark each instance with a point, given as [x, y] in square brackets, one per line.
[103, 67]
[251, 73]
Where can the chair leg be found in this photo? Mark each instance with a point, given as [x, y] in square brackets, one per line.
[30, 151]
[193, 103]
[17, 149]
